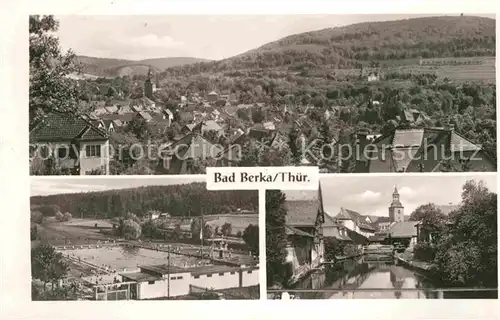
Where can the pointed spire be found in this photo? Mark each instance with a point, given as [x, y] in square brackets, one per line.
[395, 189]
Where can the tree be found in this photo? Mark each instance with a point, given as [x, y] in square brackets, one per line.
[37, 217]
[59, 216]
[50, 90]
[195, 229]
[467, 256]
[207, 231]
[251, 238]
[47, 265]
[67, 216]
[131, 230]
[432, 221]
[277, 273]
[226, 229]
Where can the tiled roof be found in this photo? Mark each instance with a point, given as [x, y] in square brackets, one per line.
[61, 127]
[408, 137]
[145, 115]
[302, 212]
[291, 230]
[359, 219]
[410, 148]
[405, 229]
[194, 146]
[459, 143]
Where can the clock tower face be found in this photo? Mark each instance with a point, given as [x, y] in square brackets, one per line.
[396, 209]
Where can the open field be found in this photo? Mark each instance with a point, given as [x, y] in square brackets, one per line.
[78, 231]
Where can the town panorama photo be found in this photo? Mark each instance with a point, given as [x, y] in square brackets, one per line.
[123, 95]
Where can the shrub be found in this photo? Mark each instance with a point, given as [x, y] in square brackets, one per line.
[59, 216]
[67, 216]
[36, 217]
[424, 252]
[131, 230]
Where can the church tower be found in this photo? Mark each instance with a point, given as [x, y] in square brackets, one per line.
[396, 210]
[148, 86]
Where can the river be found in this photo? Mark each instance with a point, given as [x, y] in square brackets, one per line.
[358, 274]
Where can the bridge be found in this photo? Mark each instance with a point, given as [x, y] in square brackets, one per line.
[438, 293]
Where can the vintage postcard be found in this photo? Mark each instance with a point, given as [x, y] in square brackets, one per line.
[353, 93]
[142, 239]
[392, 237]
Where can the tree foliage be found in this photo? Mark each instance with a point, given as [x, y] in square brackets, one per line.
[131, 230]
[50, 90]
[275, 238]
[467, 255]
[251, 238]
[226, 229]
[47, 265]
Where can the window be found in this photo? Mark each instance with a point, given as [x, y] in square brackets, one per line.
[179, 278]
[151, 282]
[44, 152]
[93, 151]
[62, 152]
[221, 273]
[249, 271]
[232, 272]
[209, 275]
[196, 277]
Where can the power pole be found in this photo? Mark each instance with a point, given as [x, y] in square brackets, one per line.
[168, 273]
[202, 227]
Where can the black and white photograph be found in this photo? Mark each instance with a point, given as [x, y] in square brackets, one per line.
[142, 239]
[384, 237]
[174, 94]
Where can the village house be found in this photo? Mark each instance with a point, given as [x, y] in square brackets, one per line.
[212, 96]
[303, 226]
[69, 143]
[422, 150]
[186, 155]
[356, 222]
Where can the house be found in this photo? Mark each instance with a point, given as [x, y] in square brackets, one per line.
[144, 116]
[70, 143]
[303, 227]
[413, 116]
[269, 125]
[106, 125]
[188, 155]
[405, 233]
[161, 281]
[206, 126]
[212, 96]
[111, 109]
[373, 77]
[422, 150]
[356, 222]
[335, 230]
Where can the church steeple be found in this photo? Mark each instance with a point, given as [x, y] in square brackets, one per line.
[396, 209]
[148, 85]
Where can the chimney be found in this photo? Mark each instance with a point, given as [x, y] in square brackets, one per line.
[449, 127]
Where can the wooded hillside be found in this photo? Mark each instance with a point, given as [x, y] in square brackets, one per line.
[177, 200]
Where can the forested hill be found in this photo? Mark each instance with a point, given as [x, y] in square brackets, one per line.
[178, 200]
[364, 43]
[104, 67]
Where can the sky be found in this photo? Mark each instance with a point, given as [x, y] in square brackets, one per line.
[48, 186]
[372, 195]
[210, 37]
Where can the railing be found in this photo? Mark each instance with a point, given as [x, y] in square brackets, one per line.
[294, 293]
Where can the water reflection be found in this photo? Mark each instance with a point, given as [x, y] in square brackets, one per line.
[363, 275]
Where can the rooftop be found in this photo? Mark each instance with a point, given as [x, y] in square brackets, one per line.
[63, 127]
